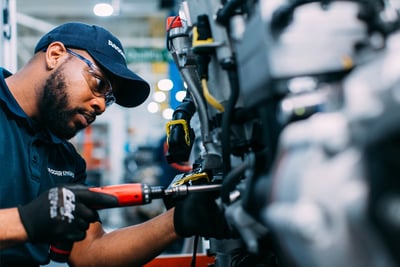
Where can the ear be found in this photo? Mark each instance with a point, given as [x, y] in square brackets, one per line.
[54, 53]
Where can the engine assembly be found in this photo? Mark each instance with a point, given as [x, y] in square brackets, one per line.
[292, 107]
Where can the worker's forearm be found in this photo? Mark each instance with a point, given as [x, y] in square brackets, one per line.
[130, 246]
[12, 231]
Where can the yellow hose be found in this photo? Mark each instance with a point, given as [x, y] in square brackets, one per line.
[210, 99]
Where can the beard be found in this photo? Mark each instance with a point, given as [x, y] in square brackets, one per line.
[53, 107]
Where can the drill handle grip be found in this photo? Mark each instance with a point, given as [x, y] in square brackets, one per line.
[126, 194]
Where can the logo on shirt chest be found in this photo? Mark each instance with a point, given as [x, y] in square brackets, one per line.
[61, 173]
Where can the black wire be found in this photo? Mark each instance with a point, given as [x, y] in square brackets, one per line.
[230, 66]
[227, 11]
[196, 240]
[231, 180]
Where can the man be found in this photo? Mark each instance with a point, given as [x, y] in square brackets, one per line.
[77, 71]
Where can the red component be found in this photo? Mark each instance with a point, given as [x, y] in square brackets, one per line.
[57, 250]
[127, 194]
[180, 260]
[173, 22]
[60, 252]
[182, 167]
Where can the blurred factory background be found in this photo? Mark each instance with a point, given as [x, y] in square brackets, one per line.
[121, 146]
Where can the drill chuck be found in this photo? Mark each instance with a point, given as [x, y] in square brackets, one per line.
[183, 190]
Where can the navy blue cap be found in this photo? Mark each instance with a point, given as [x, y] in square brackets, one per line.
[107, 51]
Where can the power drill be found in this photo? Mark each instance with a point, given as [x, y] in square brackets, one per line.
[133, 194]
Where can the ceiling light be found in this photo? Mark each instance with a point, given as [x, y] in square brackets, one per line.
[167, 113]
[165, 84]
[103, 10]
[180, 95]
[159, 96]
[153, 107]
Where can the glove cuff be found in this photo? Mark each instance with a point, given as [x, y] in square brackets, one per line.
[26, 217]
[179, 223]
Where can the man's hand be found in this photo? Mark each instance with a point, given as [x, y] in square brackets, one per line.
[62, 214]
[198, 214]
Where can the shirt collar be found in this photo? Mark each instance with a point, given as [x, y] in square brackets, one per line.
[8, 99]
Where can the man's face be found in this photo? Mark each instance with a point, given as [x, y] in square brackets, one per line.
[55, 111]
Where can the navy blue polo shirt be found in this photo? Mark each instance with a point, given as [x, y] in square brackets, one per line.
[32, 160]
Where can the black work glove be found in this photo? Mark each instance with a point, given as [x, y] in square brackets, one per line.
[62, 214]
[198, 214]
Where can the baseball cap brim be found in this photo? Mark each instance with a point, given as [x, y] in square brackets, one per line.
[133, 90]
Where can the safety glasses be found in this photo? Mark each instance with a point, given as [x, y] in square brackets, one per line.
[103, 86]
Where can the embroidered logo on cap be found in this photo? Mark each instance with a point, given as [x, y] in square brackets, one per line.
[119, 50]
